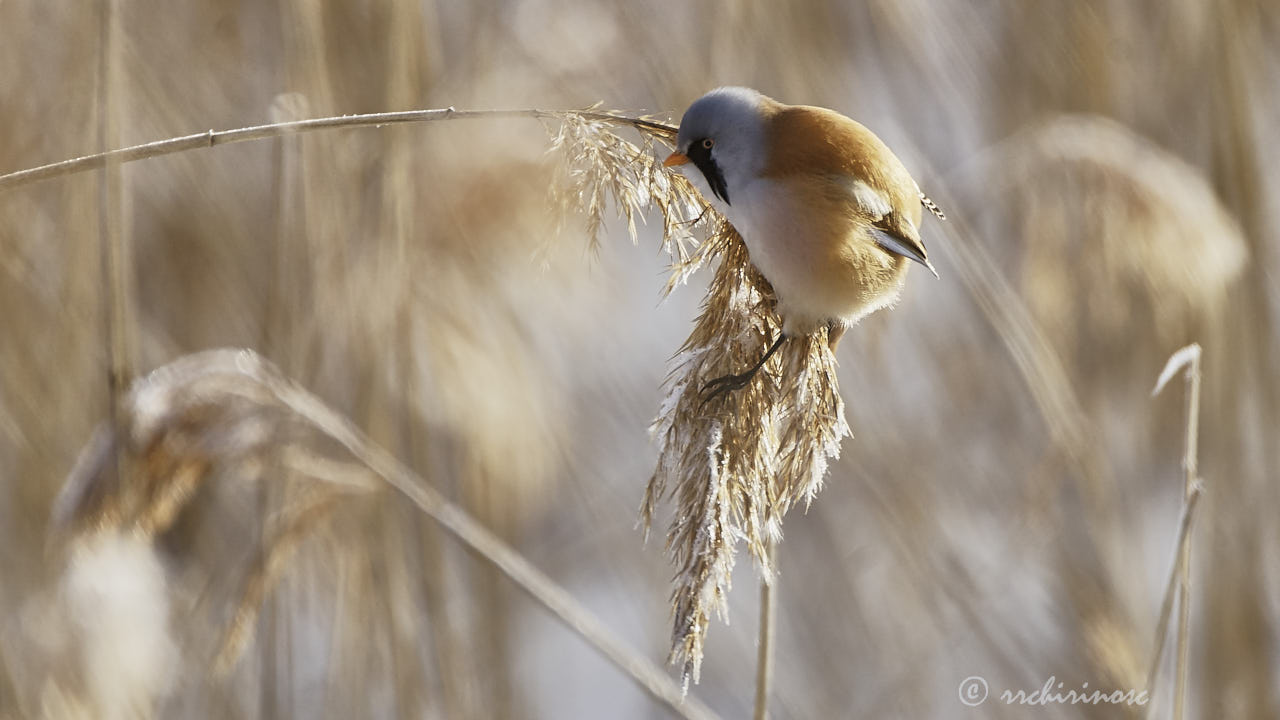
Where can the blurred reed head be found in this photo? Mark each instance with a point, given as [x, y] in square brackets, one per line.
[206, 434]
[1154, 250]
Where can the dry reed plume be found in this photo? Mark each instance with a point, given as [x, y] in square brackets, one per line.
[736, 465]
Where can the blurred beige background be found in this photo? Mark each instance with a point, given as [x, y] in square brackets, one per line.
[1007, 507]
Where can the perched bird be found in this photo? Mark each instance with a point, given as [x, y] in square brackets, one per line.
[829, 215]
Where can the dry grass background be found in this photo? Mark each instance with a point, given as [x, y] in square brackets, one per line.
[1006, 508]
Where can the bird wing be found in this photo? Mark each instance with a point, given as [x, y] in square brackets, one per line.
[891, 229]
[809, 140]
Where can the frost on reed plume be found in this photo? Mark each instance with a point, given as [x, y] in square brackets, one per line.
[735, 465]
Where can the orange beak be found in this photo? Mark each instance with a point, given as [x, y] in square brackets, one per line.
[675, 158]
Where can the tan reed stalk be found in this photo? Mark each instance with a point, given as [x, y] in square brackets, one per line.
[1179, 583]
[210, 138]
[117, 269]
[764, 650]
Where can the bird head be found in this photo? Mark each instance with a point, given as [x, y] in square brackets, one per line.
[722, 137]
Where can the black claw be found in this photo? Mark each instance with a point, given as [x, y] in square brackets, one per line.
[731, 383]
[726, 384]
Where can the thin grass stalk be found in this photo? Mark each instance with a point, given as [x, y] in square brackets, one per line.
[1184, 623]
[768, 623]
[1179, 583]
[1191, 483]
[274, 632]
[1166, 606]
[115, 248]
[210, 138]
[270, 613]
[434, 579]
[281, 338]
[279, 341]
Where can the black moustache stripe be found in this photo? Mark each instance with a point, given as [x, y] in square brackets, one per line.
[715, 179]
[701, 158]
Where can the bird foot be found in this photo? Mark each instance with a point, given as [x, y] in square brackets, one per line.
[729, 383]
[726, 384]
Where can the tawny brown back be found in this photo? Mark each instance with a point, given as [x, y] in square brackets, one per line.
[805, 139]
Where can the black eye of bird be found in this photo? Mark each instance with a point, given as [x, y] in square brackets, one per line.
[707, 143]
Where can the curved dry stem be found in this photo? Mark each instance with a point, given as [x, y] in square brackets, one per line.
[1179, 584]
[462, 526]
[210, 138]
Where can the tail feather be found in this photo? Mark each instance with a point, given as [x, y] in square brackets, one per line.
[932, 207]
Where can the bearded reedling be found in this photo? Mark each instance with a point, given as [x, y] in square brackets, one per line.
[828, 213]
